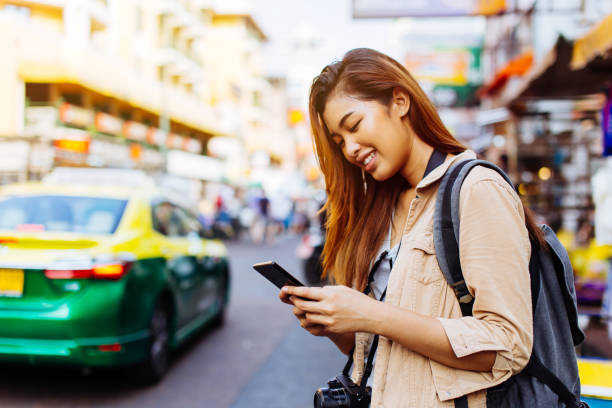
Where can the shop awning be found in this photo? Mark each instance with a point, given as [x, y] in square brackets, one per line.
[596, 43]
[518, 66]
[554, 78]
[571, 69]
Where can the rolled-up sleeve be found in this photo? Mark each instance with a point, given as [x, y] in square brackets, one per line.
[494, 253]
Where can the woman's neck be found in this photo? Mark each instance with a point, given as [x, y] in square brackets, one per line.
[416, 164]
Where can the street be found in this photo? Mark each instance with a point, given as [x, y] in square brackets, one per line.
[259, 358]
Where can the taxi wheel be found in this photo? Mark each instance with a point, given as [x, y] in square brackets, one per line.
[153, 369]
[219, 318]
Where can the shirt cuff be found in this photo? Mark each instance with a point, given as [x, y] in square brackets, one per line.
[465, 339]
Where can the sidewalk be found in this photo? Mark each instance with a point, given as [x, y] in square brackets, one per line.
[289, 378]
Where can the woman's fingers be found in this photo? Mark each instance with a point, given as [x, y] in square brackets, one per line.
[298, 312]
[316, 330]
[317, 319]
[285, 297]
[308, 324]
[308, 305]
[313, 293]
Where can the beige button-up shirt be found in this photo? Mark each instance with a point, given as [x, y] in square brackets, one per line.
[494, 252]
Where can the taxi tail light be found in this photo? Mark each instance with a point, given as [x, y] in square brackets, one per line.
[115, 347]
[112, 271]
[4, 240]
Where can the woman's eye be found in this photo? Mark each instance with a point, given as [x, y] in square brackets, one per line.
[354, 128]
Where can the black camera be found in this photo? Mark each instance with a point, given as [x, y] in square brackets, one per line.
[342, 392]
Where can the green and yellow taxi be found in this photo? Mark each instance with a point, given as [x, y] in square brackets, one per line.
[94, 275]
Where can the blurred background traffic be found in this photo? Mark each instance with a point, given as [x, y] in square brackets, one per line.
[194, 113]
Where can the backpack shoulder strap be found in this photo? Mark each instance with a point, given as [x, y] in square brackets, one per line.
[446, 242]
[446, 227]
[565, 277]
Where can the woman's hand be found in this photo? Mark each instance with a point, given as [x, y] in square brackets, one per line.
[314, 329]
[285, 296]
[331, 309]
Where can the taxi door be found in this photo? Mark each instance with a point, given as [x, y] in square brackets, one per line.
[205, 269]
[182, 256]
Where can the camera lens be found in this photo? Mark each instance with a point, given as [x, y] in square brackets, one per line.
[331, 398]
[319, 399]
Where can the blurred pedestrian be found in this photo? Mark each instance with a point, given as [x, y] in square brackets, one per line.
[260, 224]
[383, 149]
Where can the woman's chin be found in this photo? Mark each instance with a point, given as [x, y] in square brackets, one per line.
[379, 175]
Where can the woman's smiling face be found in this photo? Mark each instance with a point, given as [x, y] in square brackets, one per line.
[371, 135]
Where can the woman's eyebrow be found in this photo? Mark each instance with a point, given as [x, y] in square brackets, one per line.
[344, 118]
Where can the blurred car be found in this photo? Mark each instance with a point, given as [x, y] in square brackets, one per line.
[98, 276]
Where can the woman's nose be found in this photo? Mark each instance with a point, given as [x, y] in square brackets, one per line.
[352, 147]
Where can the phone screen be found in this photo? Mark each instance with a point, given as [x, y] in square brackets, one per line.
[276, 274]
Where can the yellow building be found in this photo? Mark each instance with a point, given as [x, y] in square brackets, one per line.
[235, 61]
[103, 83]
[252, 105]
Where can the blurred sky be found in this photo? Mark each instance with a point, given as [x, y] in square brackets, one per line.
[329, 22]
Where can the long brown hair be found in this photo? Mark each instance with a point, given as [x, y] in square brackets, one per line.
[359, 208]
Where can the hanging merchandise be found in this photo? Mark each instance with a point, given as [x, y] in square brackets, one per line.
[606, 125]
[602, 198]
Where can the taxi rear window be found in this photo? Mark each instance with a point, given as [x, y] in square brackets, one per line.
[89, 215]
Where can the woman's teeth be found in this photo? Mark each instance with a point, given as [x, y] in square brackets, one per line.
[368, 159]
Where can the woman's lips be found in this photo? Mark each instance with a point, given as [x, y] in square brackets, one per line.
[372, 163]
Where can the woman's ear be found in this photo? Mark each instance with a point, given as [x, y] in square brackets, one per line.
[400, 102]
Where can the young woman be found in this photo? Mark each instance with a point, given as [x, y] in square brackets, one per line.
[374, 132]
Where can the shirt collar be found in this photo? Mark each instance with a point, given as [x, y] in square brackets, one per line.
[437, 173]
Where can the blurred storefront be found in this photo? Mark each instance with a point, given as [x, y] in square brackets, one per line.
[76, 92]
[542, 103]
[545, 107]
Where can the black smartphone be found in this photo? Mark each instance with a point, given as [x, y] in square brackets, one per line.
[276, 274]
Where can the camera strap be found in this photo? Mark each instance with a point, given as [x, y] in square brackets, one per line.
[370, 363]
[366, 291]
[436, 159]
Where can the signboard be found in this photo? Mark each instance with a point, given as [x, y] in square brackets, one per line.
[426, 8]
[108, 154]
[14, 155]
[606, 125]
[135, 131]
[135, 152]
[71, 147]
[73, 140]
[76, 116]
[156, 137]
[40, 117]
[295, 116]
[192, 145]
[174, 141]
[440, 66]
[195, 166]
[445, 66]
[452, 73]
[106, 123]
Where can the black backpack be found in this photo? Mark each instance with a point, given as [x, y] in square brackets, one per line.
[550, 378]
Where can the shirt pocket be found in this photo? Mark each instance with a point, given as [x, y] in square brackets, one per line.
[424, 283]
[423, 263]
